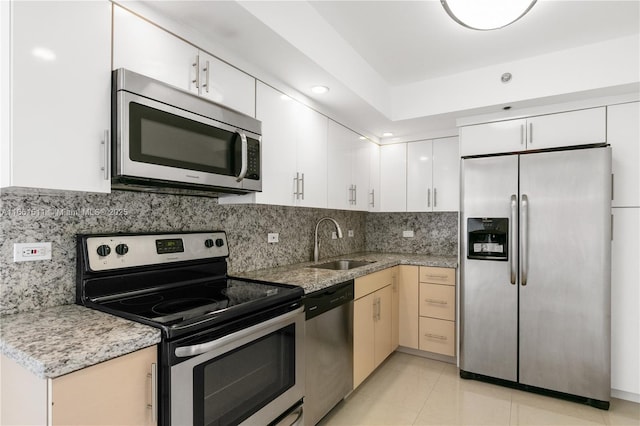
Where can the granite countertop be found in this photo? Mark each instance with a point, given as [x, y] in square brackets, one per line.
[313, 279]
[59, 340]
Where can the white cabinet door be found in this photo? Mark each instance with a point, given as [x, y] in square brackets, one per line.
[60, 95]
[493, 138]
[374, 177]
[393, 178]
[446, 175]
[360, 173]
[582, 127]
[142, 47]
[347, 169]
[340, 159]
[311, 137]
[419, 176]
[623, 133]
[278, 146]
[226, 85]
[625, 293]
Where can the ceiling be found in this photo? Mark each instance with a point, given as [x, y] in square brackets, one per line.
[363, 49]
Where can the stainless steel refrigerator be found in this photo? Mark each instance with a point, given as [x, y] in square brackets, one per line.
[535, 272]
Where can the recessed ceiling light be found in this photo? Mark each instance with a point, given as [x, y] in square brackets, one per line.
[44, 53]
[362, 138]
[387, 134]
[319, 89]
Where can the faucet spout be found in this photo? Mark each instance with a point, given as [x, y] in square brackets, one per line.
[316, 247]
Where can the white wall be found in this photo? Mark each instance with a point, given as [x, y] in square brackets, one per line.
[607, 64]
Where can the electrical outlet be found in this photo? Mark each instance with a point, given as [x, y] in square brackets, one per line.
[350, 232]
[407, 234]
[334, 236]
[272, 237]
[29, 252]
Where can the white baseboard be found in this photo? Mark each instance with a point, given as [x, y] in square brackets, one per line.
[628, 396]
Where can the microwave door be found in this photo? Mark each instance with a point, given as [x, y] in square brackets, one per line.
[160, 142]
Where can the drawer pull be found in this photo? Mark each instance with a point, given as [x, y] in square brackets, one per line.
[440, 277]
[436, 301]
[435, 336]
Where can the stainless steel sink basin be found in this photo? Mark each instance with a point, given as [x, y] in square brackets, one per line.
[342, 265]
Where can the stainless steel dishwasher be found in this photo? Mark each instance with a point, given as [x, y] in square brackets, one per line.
[329, 349]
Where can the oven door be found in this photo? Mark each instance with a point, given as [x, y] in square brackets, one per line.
[252, 376]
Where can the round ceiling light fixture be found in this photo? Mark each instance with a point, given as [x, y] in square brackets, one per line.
[486, 14]
[319, 89]
[387, 134]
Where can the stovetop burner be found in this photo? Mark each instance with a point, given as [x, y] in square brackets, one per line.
[177, 282]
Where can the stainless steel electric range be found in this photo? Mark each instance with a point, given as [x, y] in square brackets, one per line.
[231, 350]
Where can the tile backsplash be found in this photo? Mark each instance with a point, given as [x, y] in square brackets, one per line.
[32, 216]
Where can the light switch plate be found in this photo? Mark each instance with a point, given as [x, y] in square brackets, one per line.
[350, 232]
[273, 237]
[407, 234]
[29, 252]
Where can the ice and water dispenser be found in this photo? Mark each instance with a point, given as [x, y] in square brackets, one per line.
[487, 238]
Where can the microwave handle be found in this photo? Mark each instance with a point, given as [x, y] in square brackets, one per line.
[243, 169]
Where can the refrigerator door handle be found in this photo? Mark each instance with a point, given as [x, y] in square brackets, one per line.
[524, 225]
[512, 239]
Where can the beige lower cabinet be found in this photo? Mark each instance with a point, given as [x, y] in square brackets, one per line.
[372, 322]
[114, 392]
[427, 308]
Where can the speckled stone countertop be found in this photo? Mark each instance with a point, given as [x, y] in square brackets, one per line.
[314, 279]
[56, 341]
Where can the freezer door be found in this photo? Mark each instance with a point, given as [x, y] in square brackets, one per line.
[488, 299]
[565, 200]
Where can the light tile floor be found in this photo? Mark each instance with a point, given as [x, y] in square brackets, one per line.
[409, 390]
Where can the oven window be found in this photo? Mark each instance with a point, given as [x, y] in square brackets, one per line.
[232, 387]
[158, 137]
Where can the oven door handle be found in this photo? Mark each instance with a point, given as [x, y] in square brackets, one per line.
[199, 349]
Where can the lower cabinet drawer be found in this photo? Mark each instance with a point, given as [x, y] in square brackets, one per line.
[437, 336]
[438, 301]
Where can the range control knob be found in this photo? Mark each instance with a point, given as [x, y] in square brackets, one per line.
[208, 243]
[103, 250]
[122, 249]
[219, 242]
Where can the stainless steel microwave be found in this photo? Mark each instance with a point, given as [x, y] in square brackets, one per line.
[168, 140]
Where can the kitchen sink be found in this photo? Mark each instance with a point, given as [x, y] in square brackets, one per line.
[342, 265]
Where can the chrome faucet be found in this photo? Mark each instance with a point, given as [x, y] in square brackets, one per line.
[316, 247]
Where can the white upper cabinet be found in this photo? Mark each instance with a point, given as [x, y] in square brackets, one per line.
[147, 49]
[348, 162]
[226, 85]
[572, 128]
[446, 175]
[393, 178]
[294, 151]
[433, 175]
[623, 133]
[60, 100]
[374, 177]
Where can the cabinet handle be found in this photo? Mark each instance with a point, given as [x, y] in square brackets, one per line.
[154, 392]
[435, 336]
[531, 133]
[206, 76]
[196, 65]
[302, 182]
[435, 197]
[439, 277]
[373, 198]
[436, 301]
[522, 134]
[106, 160]
[355, 194]
[379, 309]
[428, 197]
[375, 309]
[296, 186]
